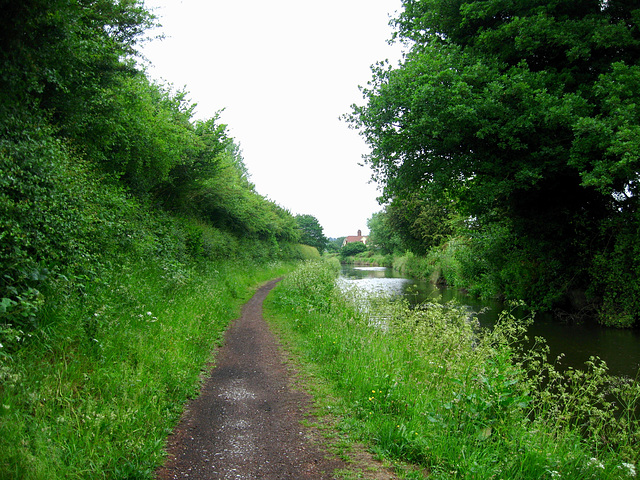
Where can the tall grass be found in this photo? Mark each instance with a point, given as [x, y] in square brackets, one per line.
[429, 387]
[96, 395]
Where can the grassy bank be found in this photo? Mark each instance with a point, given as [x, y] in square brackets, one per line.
[428, 387]
[96, 396]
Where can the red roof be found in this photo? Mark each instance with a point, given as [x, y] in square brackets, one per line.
[353, 238]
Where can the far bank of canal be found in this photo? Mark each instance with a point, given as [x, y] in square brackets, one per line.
[619, 348]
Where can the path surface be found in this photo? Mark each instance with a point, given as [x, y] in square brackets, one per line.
[246, 422]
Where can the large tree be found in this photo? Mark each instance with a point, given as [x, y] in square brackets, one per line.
[311, 232]
[525, 112]
[59, 54]
[382, 236]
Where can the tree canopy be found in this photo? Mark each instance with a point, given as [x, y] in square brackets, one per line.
[93, 154]
[311, 232]
[352, 249]
[526, 114]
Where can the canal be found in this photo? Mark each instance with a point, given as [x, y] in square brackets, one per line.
[619, 348]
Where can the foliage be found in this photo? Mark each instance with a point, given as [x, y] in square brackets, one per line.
[413, 223]
[96, 396]
[56, 219]
[312, 284]
[368, 257]
[615, 271]
[129, 236]
[382, 237]
[138, 132]
[59, 54]
[491, 262]
[353, 248]
[90, 149]
[304, 252]
[335, 244]
[523, 113]
[427, 386]
[311, 232]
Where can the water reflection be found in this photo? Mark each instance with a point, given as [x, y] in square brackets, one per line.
[386, 280]
[619, 348]
[376, 280]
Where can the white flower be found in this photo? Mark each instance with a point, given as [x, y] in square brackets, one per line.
[149, 313]
[555, 474]
[631, 469]
[596, 463]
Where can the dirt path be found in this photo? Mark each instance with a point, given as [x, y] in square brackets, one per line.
[246, 422]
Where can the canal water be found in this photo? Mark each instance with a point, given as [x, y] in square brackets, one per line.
[619, 348]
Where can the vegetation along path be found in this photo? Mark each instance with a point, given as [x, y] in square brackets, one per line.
[246, 422]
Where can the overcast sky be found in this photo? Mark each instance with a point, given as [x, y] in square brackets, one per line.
[284, 71]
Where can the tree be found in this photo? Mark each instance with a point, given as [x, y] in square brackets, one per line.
[311, 232]
[58, 54]
[82, 128]
[410, 224]
[524, 113]
[382, 237]
[353, 248]
[335, 244]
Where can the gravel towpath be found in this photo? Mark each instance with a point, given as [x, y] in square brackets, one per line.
[245, 424]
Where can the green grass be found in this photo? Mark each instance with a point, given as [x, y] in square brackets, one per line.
[428, 387]
[96, 394]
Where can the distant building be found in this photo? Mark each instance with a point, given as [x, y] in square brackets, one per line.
[355, 238]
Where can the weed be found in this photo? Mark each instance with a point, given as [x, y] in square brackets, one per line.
[428, 386]
[97, 396]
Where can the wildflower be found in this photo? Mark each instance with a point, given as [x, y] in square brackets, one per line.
[555, 474]
[631, 469]
[594, 462]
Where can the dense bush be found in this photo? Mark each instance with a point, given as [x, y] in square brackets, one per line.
[99, 165]
[351, 249]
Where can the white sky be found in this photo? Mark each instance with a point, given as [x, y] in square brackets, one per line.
[284, 71]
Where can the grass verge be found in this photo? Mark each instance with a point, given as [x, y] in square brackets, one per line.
[96, 395]
[428, 387]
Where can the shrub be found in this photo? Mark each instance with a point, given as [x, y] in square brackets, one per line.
[351, 249]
